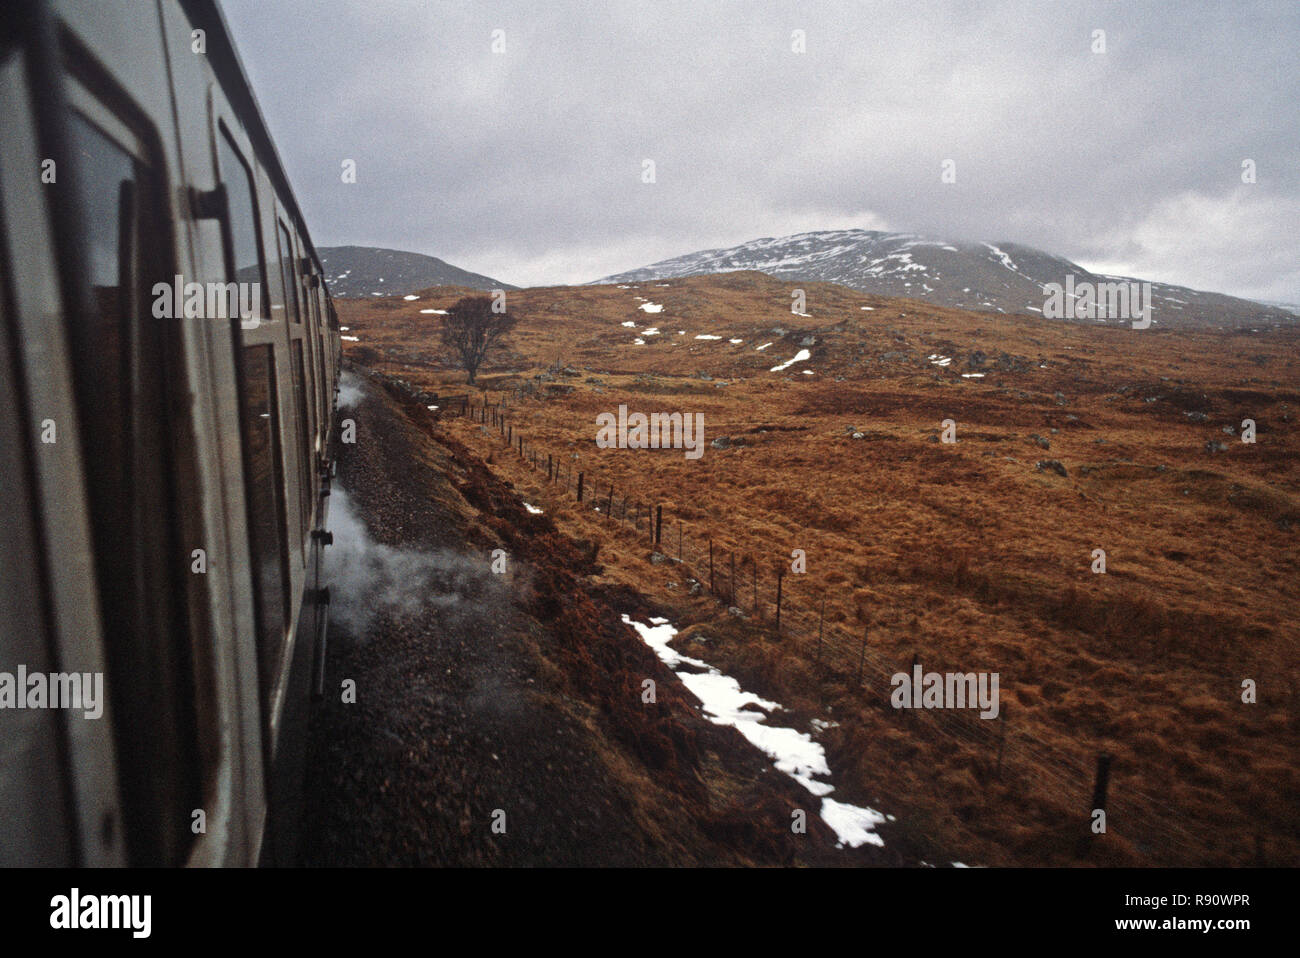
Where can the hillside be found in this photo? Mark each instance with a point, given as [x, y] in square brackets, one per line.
[353, 271]
[482, 695]
[823, 434]
[1002, 277]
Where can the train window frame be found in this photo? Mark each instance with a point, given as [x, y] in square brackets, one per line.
[271, 642]
[298, 378]
[224, 134]
[153, 363]
[288, 272]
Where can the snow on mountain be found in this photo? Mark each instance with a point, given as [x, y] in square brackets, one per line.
[1002, 277]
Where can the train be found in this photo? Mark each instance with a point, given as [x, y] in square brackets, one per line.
[169, 369]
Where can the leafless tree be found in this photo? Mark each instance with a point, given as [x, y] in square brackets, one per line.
[471, 328]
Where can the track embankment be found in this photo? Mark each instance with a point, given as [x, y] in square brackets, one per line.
[478, 717]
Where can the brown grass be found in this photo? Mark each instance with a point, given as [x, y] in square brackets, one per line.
[965, 555]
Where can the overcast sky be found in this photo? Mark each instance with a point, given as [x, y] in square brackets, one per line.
[526, 165]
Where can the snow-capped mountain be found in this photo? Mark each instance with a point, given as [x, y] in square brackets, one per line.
[1001, 277]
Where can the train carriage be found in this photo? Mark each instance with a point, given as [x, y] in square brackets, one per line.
[169, 359]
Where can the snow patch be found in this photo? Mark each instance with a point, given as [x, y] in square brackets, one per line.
[798, 358]
[793, 752]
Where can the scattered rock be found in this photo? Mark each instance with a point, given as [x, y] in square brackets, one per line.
[1194, 416]
[1042, 441]
[1230, 430]
[1052, 465]
[658, 558]
[1216, 445]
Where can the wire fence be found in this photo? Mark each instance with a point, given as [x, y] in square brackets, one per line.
[757, 591]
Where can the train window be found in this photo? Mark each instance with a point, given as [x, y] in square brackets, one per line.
[121, 370]
[265, 511]
[241, 208]
[286, 266]
[304, 431]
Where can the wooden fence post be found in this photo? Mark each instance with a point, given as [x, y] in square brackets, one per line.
[1099, 787]
[679, 540]
[1002, 736]
[780, 576]
[609, 505]
[659, 524]
[1102, 782]
[821, 622]
[580, 477]
[711, 591]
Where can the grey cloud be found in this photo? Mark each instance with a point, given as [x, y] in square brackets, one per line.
[526, 165]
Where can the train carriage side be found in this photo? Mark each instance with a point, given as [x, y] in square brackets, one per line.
[170, 535]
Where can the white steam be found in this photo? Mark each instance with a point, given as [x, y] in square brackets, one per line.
[350, 389]
[367, 578]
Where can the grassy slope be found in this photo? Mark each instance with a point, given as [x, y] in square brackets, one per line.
[965, 555]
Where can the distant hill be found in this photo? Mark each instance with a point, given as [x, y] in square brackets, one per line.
[1003, 277]
[370, 271]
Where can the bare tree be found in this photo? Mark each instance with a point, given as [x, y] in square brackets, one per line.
[471, 328]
